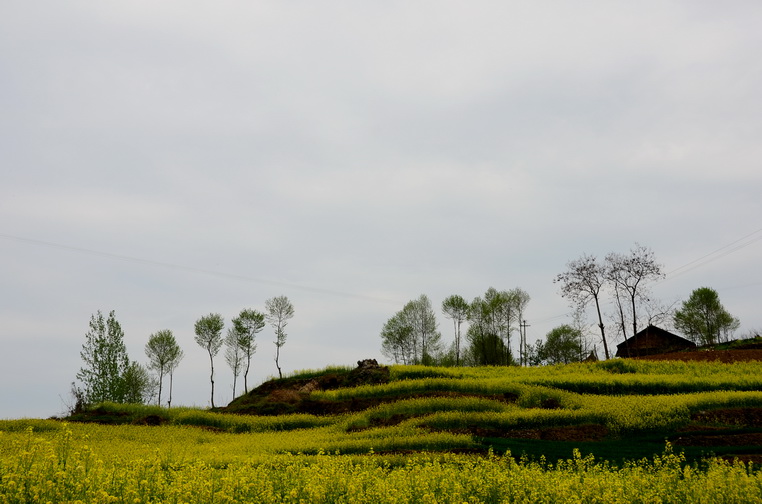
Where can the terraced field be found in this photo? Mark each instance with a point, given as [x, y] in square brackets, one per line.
[614, 431]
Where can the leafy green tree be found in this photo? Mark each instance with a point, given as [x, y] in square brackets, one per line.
[562, 345]
[486, 348]
[397, 340]
[420, 316]
[480, 333]
[138, 385]
[209, 337]
[162, 350]
[535, 352]
[246, 326]
[703, 318]
[279, 312]
[105, 361]
[411, 336]
[493, 318]
[456, 308]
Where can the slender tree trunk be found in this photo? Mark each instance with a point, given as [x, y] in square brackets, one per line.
[171, 377]
[508, 354]
[211, 377]
[246, 375]
[600, 325]
[634, 317]
[457, 342]
[161, 380]
[622, 324]
[277, 356]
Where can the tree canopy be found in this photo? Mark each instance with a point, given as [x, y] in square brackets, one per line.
[562, 345]
[279, 311]
[208, 331]
[163, 354]
[456, 308]
[703, 319]
[246, 326]
[493, 319]
[411, 336]
[105, 361]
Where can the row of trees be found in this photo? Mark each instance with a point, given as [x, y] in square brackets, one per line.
[621, 281]
[411, 336]
[239, 341]
[107, 373]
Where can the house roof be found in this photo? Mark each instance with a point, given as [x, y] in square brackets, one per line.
[653, 336]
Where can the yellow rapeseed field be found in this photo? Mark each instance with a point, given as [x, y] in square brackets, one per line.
[128, 464]
[415, 449]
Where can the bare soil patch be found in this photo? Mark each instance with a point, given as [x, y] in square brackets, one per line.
[746, 417]
[745, 439]
[578, 433]
[726, 356]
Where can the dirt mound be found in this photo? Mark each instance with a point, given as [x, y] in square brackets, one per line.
[367, 372]
[293, 395]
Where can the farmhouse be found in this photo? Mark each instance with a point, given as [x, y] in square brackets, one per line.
[650, 341]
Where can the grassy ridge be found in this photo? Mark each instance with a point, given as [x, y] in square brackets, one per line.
[632, 405]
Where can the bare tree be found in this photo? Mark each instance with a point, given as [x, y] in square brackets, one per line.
[630, 275]
[583, 282]
[659, 313]
[279, 311]
[622, 311]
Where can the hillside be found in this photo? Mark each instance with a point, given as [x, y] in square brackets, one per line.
[616, 410]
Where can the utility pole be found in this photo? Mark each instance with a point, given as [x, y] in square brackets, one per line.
[523, 342]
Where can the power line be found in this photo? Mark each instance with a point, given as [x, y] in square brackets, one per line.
[219, 274]
[720, 253]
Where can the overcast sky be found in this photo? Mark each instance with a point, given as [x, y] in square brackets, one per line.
[170, 159]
